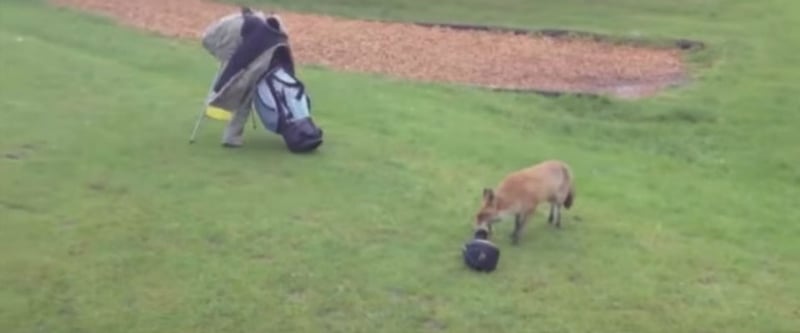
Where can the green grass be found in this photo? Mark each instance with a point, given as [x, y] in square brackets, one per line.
[111, 222]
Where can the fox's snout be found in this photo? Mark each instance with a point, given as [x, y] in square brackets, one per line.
[484, 220]
[487, 214]
[481, 218]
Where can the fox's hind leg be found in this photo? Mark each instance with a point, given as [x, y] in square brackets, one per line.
[551, 217]
[557, 212]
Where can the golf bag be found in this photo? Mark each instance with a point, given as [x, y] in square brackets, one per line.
[284, 108]
[258, 72]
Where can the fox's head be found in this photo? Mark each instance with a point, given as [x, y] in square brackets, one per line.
[489, 212]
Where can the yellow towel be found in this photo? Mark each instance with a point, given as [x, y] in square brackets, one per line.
[218, 114]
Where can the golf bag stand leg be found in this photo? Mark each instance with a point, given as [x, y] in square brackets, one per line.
[202, 115]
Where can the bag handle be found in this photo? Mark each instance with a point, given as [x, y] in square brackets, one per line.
[295, 84]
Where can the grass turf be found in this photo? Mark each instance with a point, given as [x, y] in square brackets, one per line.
[111, 222]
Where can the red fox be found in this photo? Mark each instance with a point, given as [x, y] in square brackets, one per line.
[522, 191]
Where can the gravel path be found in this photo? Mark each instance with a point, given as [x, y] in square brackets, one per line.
[408, 51]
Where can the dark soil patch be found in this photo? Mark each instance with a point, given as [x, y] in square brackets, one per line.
[13, 156]
[17, 206]
[682, 44]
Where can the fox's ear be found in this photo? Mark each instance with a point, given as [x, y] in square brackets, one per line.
[488, 194]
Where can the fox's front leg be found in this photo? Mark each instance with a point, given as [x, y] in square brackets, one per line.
[520, 219]
[517, 227]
